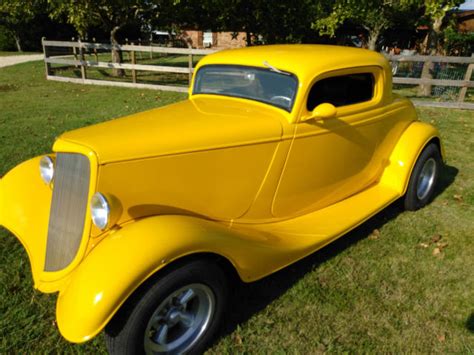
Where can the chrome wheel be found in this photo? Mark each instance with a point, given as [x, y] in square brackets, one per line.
[180, 320]
[426, 179]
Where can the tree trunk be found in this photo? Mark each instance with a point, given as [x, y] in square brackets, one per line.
[16, 37]
[373, 37]
[426, 73]
[431, 48]
[248, 38]
[116, 53]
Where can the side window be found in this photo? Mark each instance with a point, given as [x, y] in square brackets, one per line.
[342, 90]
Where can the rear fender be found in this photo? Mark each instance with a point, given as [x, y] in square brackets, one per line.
[403, 158]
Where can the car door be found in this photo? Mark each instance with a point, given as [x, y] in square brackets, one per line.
[332, 159]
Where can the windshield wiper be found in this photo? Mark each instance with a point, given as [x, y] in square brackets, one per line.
[272, 68]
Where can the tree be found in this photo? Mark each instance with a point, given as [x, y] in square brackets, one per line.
[435, 13]
[277, 21]
[374, 16]
[15, 15]
[111, 15]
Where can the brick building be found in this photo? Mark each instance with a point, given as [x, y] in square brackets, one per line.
[465, 21]
[218, 40]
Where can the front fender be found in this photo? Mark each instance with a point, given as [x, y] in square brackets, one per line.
[406, 152]
[120, 263]
[24, 210]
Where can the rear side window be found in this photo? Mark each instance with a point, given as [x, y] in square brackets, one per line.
[342, 90]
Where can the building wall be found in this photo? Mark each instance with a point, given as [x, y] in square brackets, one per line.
[466, 21]
[467, 25]
[219, 39]
[230, 39]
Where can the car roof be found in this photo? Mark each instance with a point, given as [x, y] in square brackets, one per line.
[303, 60]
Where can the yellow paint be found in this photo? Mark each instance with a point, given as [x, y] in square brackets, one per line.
[250, 182]
[323, 111]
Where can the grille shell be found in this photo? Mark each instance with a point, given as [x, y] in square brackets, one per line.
[68, 210]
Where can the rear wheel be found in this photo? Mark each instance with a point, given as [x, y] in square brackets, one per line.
[179, 313]
[423, 179]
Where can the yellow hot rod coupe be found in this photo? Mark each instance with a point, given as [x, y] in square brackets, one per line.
[277, 151]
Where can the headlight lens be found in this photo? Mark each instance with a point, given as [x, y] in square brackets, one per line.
[100, 210]
[47, 169]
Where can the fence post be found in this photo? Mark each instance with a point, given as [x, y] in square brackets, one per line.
[467, 77]
[95, 50]
[128, 52]
[140, 52]
[74, 51]
[134, 61]
[83, 60]
[190, 63]
[45, 52]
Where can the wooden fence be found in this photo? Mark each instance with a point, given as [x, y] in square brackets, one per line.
[80, 49]
[464, 84]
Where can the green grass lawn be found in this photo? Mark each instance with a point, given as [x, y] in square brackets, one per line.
[143, 77]
[388, 291]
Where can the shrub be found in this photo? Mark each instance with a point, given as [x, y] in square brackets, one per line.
[7, 43]
[458, 43]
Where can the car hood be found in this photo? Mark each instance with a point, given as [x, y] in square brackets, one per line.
[192, 125]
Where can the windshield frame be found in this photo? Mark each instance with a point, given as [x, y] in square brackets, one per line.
[283, 72]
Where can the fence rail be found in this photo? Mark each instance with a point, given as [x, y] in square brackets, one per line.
[77, 58]
[427, 79]
[78, 53]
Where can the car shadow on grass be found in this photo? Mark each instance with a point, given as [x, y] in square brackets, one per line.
[470, 323]
[249, 299]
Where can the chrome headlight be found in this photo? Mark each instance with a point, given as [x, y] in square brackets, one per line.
[47, 169]
[100, 210]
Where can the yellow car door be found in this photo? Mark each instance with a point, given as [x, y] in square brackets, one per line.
[334, 158]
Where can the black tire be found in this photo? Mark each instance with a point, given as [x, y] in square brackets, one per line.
[419, 194]
[125, 333]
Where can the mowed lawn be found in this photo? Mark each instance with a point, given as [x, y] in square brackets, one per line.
[402, 282]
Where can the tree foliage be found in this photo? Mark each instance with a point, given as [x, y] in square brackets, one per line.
[277, 21]
[458, 43]
[15, 15]
[111, 15]
[435, 14]
[375, 16]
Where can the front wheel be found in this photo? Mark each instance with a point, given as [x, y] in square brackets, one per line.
[179, 313]
[423, 178]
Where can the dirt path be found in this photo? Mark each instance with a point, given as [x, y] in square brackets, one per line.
[15, 59]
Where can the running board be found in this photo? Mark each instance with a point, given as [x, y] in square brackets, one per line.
[294, 239]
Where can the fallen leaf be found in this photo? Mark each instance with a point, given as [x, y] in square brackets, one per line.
[441, 338]
[423, 245]
[237, 339]
[458, 198]
[436, 251]
[441, 246]
[320, 349]
[435, 238]
[374, 235]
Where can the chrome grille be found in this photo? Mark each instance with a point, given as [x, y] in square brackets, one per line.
[68, 210]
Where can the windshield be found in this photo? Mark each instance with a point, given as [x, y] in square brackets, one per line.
[264, 85]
